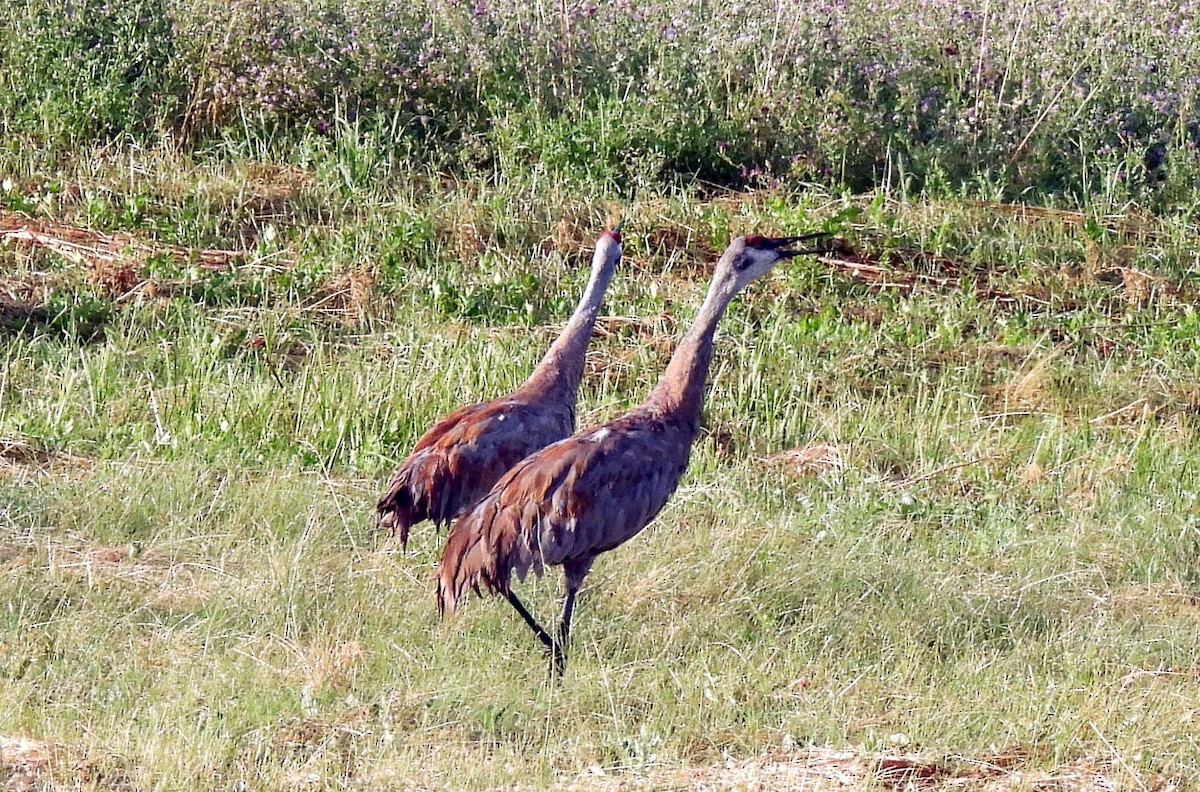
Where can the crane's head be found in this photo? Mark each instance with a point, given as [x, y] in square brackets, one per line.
[608, 248]
[751, 256]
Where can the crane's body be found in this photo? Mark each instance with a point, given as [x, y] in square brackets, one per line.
[577, 498]
[567, 504]
[457, 461]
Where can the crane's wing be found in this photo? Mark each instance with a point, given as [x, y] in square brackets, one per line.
[570, 501]
[458, 460]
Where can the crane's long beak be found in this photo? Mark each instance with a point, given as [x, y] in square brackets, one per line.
[780, 242]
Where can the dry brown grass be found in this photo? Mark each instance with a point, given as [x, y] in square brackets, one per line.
[28, 764]
[832, 769]
[565, 237]
[108, 254]
[347, 297]
[25, 455]
[1162, 599]
[316, 749]
[1030, 387]
[811, 459]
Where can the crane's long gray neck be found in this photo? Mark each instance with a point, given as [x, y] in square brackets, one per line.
[680, 389]
[561, 369]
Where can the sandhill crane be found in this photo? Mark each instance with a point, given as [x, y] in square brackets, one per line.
[585, 495]
[456, 462]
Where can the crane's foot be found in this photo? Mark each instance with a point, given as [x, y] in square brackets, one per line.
[558, 660]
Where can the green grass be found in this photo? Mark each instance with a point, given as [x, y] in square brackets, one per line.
[1040, 99]
[195, 597]
[991, 556]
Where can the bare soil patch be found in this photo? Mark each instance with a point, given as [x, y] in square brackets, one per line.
[20, 452]
[27, 764]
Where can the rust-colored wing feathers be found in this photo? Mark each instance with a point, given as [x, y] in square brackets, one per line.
[454, 464]
[567, 503]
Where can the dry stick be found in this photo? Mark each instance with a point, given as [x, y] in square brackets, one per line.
[1117, 755]
[66, 241]
[71, 251]
[770, 70]
[1119, 410]
[341, 512]
[1119, 222]
[271, 367]
[1012, 49]
[856, 267]
[939, 471]
[1050, 106]
[987, 8]
[911, 278]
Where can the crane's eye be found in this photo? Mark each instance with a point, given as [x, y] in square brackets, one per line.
[747, 258]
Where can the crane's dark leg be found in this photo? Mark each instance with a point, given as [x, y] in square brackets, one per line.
[558, 651]
[573, 574]
[542, 635]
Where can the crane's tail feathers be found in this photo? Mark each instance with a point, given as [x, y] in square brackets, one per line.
[451, 587]
[452, 578]
[467, 564]
[397, 511]
[446, 600]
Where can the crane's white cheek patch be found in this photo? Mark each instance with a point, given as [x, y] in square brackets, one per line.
[601, 434]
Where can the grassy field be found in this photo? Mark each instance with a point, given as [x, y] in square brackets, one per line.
[942, 525]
